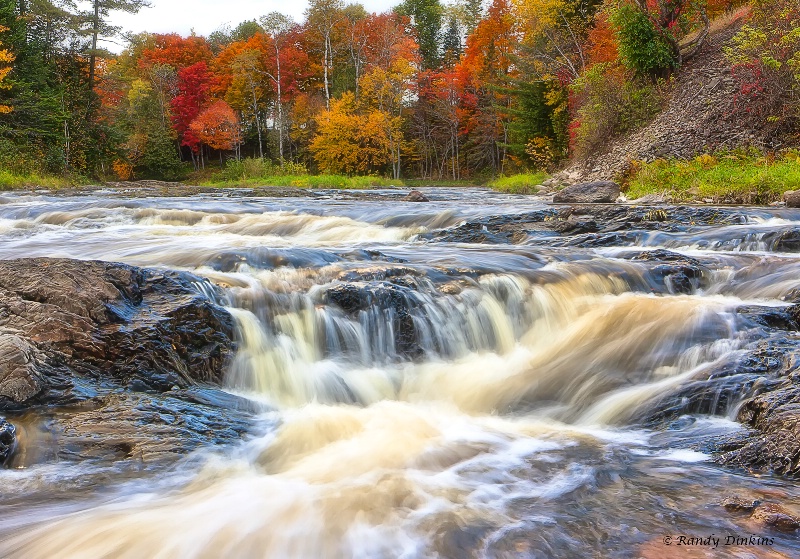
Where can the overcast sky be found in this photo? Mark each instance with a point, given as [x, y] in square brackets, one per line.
[204, 16]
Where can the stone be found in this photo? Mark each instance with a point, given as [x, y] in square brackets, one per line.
[792, 198]
[775, 516]
[416, 196]
[588, 193]
[61, 320]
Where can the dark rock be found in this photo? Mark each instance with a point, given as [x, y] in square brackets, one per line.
[792, 198]
[416, 196]
[588, 193]
[394, 303]
[775, 443]
[8, 440]
[788, 241]
[775, 516]
[61, 319]
[675, 272]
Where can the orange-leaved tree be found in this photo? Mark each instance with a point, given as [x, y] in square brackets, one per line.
[6, 58]
[218, 128]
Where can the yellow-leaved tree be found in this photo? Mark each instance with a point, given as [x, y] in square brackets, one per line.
[6, 58]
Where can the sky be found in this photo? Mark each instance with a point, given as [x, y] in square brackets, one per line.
[205, 16]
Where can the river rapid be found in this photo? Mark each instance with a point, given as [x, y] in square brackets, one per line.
[420, 396]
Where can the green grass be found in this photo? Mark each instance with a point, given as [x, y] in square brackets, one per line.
[11, 181]
[519, 184]
[309, 181]
[732, 179]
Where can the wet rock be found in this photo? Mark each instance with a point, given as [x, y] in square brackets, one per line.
[393, 302]
[788, 241]
[774, 444]
[8, 440]
[145, 429]
[775, 516]
[416, 196]
[676, 272]
[737, 504]
[588, 193]
[62, 319]
[792, 198]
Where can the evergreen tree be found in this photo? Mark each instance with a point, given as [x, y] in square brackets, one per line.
[426, 19]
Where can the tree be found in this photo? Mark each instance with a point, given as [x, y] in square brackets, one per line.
[193, 94]
[278, 26]
[322, 16]
[218, 128]
[99, 26]
[349, 142]
[426, 20]
[6, 58]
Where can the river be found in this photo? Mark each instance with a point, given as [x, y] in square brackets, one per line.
[420, 396]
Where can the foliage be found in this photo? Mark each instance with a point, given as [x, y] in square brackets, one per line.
[352, 142]
[217, 127]
[6, 58]
[766, 58]
[643, 47]
[426, 18]
[728, 178]
[519, 184]
[257, 168]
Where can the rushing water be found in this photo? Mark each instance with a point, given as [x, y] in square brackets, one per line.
[507, 425]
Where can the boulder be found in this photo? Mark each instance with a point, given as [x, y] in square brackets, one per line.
[588, 193]
[776, 517]
[416, 196]
[792, 198]
[61, 320]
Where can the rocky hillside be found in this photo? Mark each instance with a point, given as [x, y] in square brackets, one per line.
[698, 117]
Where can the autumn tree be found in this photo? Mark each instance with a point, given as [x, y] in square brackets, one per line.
[278, 26]
[194, 84]
[6, 58]
[322, 17]
[218, 128]
[349, 141]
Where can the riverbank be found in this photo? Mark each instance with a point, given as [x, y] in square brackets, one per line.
[727, 178]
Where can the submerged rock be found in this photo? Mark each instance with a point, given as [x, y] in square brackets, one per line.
[588, 193]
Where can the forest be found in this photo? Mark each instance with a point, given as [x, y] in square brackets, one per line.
[442, 91]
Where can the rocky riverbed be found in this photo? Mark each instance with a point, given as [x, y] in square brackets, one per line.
[479, 375]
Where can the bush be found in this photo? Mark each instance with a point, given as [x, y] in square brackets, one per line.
[610, 102]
